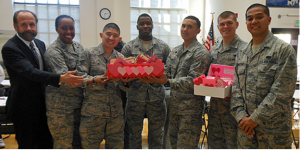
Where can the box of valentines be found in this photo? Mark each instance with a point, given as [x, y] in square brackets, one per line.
[217, 83]
[142, 66]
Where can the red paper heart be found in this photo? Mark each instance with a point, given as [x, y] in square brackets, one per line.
[211, 85]
[213, 70]
[198, 81]
[128, 70]
[141, 70]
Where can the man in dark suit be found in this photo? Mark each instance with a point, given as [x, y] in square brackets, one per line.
[23, 59]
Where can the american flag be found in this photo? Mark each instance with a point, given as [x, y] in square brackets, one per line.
[210, 41]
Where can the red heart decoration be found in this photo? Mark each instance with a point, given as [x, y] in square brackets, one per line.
[213, 70]
[198, 81]
[141, 69]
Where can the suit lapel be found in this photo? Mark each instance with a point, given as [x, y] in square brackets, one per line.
[25, 50]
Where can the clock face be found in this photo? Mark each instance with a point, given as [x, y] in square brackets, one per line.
[105, 13]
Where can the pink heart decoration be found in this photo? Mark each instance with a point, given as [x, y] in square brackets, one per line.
[121, 70]
[148, 70]
[128, 70]
[141, 69]
[135, 70]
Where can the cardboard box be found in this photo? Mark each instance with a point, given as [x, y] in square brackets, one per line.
[216, 70]
[135, 70]
[212, 91]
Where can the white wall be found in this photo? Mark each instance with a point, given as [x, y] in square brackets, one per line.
[91, 24]
[240, 7]
[6, 15]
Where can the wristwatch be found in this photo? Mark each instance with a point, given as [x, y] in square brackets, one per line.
[167, 84]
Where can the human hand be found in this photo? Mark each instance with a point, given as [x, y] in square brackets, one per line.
[146, 79]
[70, 78]
[125, 80]
[113, 79]
[247, 125]
[161, 80]
[101, 80]
[251, 134]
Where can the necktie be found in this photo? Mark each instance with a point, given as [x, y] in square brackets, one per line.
[34, 52]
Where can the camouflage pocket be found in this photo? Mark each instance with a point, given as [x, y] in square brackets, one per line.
[266, 73]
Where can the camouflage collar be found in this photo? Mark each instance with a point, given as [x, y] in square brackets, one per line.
[138, 43]
[102, 51]
[233, 44]
[266, 43]
[64, 46]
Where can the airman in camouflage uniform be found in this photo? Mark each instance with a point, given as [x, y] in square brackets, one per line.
[102, 112]
[222, 128]
[64, 103]
[264, 84]
[146, 98]
[184, 63]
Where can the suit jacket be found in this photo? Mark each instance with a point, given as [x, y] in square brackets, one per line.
[26, 99]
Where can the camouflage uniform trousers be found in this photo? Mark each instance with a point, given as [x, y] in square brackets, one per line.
[63, 114]
[93, 129]
[156, 113]
[222, 126]
[263, 140]
[185, 130]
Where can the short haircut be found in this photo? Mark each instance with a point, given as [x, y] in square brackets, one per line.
[194, 18]
[112, 25]
[144, 15]
[227, 14]
[57, 20]
[266, 9]
[15, 20]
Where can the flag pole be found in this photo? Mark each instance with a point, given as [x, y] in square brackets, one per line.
[212, 14]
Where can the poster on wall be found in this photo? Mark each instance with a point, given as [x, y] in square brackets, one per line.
[283, 3]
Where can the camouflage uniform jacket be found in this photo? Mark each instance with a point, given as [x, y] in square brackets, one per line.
[60, 58]
[227, 56]
[140, 90]
[181, 68]
[100, 100]
[264, 84]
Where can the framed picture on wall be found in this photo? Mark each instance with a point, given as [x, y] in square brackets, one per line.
[283, 3]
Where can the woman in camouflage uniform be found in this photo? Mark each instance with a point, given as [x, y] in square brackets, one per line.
[64, 103]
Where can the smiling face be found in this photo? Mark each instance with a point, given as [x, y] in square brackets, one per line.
[110, 38]
[227, 27]
[26, 26]
[145, 26]
[66, 30]
[189, 30]
[258, 21]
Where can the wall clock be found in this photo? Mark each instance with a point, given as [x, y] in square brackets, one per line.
[105, 13]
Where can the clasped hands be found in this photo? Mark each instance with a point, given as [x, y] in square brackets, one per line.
[248, 125]
[153, 79]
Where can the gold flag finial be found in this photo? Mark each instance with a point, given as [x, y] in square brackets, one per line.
[212, 14]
